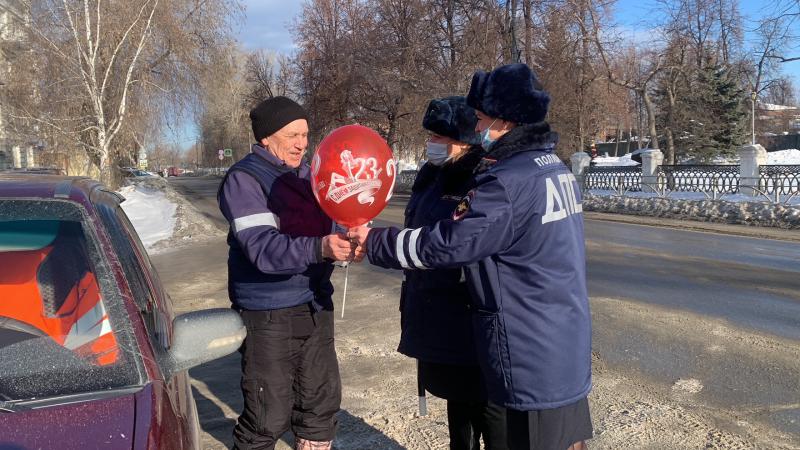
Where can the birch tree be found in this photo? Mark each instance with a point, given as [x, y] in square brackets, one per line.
[109, 72]
[94, 48]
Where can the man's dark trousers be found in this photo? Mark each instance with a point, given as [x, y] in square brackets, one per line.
[290, 377]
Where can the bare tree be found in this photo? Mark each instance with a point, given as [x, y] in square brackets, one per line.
[646, 65]
[786, 17]
[99, 64]
[109, 72]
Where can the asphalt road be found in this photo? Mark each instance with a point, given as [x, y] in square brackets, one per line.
[718, 313]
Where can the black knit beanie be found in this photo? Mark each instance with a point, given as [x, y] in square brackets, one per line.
[273, 114]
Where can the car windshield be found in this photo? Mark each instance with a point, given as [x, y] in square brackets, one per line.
[63, 328]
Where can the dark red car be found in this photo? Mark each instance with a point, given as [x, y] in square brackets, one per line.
[91, 355]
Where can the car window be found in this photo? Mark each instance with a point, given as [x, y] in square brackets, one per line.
[124, 240]
[63, 327]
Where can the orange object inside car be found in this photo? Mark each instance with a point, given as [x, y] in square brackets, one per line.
[59, 297]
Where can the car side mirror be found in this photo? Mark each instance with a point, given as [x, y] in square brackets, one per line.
[202, 336]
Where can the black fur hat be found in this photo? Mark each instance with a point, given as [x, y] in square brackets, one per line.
[510, 93]
[452, 117]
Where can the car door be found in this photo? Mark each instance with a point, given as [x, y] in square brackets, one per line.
[180, 428]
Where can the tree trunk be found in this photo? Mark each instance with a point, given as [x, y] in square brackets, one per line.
[651, 119]
[451, 34]
[527, 6]
[630, 136]
[670, 154]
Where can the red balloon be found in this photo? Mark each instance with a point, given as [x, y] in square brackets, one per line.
[353, 174]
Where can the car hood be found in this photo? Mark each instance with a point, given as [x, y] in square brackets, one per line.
[101, 423]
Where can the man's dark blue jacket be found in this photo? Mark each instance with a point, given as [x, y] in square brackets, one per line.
[435, 307]
[519, 236]
[275, 256]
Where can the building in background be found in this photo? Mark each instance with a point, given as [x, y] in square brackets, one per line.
[16, 150]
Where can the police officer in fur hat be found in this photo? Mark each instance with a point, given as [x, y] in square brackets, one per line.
[519, 235]
[435, 304]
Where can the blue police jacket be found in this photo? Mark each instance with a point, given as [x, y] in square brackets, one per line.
[435, 308]
[519, 235]
[275, 253]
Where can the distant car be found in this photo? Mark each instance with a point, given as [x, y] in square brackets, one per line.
[173, 171]
[137, 173]
[91, 354]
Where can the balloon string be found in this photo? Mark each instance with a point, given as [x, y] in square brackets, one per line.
[344, 295]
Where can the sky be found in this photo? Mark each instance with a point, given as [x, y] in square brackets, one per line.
[268, 24]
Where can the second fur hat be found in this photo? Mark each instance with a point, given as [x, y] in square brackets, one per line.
[509, 92]
[452, 117]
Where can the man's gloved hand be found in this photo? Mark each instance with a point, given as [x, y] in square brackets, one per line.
[337, 247]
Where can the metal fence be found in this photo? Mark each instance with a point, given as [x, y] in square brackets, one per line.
[781, 180]
[715, 179]
[621, 179]
[775, 183]
[405, 180]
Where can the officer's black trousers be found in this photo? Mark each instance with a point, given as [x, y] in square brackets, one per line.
[469, 415]
[468, 421]
[290, 377]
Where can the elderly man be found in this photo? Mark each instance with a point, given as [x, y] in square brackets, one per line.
[282, 246]
[519, 235]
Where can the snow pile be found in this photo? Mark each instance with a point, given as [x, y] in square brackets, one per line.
[150, 211]
[163, 218]
[784, 157]
[611, 161]
[772, 107]
[733, 210]
[406, 165]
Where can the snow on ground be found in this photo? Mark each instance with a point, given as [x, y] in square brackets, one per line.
[150, 211]
[163, 218]
[780, 157]
[609, 161]
[784, 157]
[732, 209]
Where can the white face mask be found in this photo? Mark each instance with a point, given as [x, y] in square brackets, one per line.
[436, 153]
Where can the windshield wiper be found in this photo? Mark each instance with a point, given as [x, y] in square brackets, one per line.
[8, 407]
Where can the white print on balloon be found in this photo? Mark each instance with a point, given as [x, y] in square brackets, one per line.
[390, 169]
[361, 179]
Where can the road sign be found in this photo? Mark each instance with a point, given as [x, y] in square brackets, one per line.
[221, 152]
[228, 152]
[221, 157]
